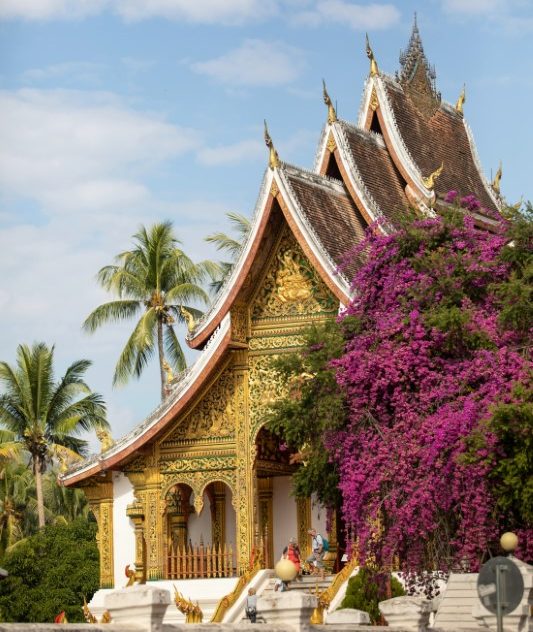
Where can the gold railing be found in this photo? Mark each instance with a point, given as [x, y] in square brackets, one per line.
[326, 597]
[199, 561]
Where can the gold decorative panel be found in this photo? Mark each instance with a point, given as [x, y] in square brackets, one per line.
[291, 286]
[266, 386]
[214, 416]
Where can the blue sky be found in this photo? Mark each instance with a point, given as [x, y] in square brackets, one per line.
[115, 113]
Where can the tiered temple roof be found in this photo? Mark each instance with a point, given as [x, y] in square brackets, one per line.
[407, 150]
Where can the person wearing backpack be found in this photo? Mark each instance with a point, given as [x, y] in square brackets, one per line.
[319, 546]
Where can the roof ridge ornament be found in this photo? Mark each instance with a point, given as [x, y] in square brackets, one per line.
[496, 181]
[429, 181]
[332, 113]
[417, 76]
[273, 157]
[461, 100]
[374, 70]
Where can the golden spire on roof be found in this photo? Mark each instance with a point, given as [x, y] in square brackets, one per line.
[429, 182]
[374, 70]
[332, 114]
[273, 158]
[461, 100]
[497, 178]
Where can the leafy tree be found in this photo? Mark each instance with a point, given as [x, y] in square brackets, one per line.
[231, 245]
[314, 406]
[50, 572]
[18, 510]
[42, 416]
[155, 279]
[366, 589]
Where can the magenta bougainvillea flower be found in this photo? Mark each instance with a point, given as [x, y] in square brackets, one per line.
[426, 365]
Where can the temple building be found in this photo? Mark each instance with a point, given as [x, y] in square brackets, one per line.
[199, 486]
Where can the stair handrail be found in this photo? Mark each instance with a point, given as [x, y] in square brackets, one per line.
[326, 596]
[228, 600]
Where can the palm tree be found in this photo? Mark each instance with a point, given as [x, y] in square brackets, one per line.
[230, 245]
[41, 416]
[17, 503]
[157, 280]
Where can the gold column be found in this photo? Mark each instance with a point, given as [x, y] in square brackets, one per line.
[218, 514]
[244, 501]
[100, 497]
[303, 513]
[135, 511]
[153, 523]
[266, 531]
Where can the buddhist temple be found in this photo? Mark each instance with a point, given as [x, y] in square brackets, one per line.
[202, 471]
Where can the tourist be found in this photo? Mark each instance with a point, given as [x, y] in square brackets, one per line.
[316, 559]
[251, 605]
[292, 552]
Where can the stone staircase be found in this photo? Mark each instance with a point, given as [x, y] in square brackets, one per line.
[305, 584]
[458, 600]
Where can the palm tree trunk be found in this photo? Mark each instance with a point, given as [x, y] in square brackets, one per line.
[161, 358]
[39, 490]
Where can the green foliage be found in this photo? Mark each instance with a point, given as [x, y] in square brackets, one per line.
[50, 572]
[315, 405]
[367, 589]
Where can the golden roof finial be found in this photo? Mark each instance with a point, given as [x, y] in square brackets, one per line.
[332, 114]
[374, 70]
[461, 100]
[273, 158]
[429, 182]
[497, 179]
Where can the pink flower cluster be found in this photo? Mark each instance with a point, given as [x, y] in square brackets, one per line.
[417, 390]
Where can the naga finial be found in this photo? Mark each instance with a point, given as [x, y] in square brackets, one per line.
[374, 70]
[497, 178]
[429, 181]
[273, 158]
[332, 114]
[105, 438]
[461, 100]
[168, 371]
[189, 319]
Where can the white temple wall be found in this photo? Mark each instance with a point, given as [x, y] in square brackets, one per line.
[318, 516]
[123, 528]
[200, 525]
[283, 514]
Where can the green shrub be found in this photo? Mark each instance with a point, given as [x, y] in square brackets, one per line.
[49, 572]
[367, 589]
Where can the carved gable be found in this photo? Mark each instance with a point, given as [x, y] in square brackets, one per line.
[291, 286]
[213, 416]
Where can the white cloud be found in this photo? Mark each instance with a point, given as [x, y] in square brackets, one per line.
[84, 71]
[255, 63]
[473, 7]
[202, 11]
[245, 150]
[50, 9]
[70, 149]
[361, 17]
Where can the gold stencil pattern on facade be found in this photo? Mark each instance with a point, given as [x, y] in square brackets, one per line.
[199, 464]
[213, 417]
[291, 286]
[266, 386]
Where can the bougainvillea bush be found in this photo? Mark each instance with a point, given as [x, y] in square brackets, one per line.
[431, 451]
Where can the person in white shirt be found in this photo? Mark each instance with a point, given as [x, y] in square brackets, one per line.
[317, 556]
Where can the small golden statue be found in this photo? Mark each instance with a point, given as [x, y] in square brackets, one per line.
[106, 617]
[168, 371]
[374, 70]
[105, 438]
[130, 574]
[193, 613]
[87, 614]
[461, 100]
[189, 319]
[273, 158]
[332, 114]
[497, 179]
[429, 182]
